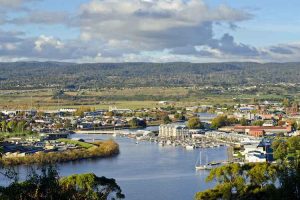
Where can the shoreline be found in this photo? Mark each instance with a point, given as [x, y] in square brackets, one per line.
[103, 149]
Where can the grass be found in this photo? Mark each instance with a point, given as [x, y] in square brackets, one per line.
[41, 99]
[78, 143]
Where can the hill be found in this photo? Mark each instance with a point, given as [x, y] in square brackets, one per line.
[89, 75]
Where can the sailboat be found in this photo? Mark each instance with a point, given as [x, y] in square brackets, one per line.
[115, 134]
[200, 166]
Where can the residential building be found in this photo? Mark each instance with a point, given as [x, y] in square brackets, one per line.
[175, 131]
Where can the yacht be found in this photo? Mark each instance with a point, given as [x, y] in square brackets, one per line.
[189, 147]
[115, 134]
[199, 166]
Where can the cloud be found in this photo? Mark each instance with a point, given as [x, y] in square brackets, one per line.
[281, 50]
[135, 30]
[44, 41]
[151, 25]
[13, 4]
[10, 3]
[42, 17]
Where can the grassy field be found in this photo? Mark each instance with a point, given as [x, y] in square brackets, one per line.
[78, 143]
[132, 98]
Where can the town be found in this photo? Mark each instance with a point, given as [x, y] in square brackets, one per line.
[247, 129]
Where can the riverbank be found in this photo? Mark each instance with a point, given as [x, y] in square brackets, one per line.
[99, 149]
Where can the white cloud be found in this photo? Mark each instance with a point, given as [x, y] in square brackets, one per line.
[43, 41]
[135, 30]
[152, 25]
[10, 3]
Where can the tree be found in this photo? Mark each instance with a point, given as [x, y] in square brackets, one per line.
[136, 123]
[110, 114]
[67, 123]
[166, 120]
[89, 186]
[194, 123]
[223, 120]
[294, 143]
[179, 116]
[48, 185]
[250, 181]
[11, 125]
[244, 122]
[80, 111]
[3, 125]
[258, 123]
[286, 102]
[229, 178]
[279, 147]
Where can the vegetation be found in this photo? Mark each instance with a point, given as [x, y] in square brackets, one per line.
[258, 123]
[144, 97]
[99, 150]
[136, 123]
[80, 111]
[15, 128]
[48, 185]
[254, 181]
[286, 148]
[72, 76]
[166, 119]
[260, 180]
[194, 123]
[77, 143]
[223, 120]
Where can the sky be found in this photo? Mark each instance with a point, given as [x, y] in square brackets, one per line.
[150, 30]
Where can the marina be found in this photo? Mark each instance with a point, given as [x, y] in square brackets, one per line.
[147, 166]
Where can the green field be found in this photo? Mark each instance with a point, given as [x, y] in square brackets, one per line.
[134, 98]
[78, 143]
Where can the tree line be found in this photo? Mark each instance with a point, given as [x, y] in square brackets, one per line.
[47, 184]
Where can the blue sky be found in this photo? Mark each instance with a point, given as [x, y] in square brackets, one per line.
[150, 30]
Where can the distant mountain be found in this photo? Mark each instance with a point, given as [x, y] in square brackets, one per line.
[60, 74]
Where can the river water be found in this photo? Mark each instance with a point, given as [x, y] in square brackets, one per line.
[147, 171]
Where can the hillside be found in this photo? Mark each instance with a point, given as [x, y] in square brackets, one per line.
[56, 74]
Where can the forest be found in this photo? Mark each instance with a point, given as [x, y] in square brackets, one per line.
[18, 75]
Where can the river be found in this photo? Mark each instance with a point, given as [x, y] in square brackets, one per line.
[148, 171]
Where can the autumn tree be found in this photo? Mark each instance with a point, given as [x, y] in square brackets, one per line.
[194, 123]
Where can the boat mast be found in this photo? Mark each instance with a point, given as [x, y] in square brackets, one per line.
[200, 158]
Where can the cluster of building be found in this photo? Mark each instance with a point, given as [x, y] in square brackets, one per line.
[17, 147]
[274, 119]
[173, 131]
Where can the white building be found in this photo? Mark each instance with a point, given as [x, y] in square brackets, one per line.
[69, 110]
[171, 130]
[114, 109]
[254, 153]
[255, 156]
